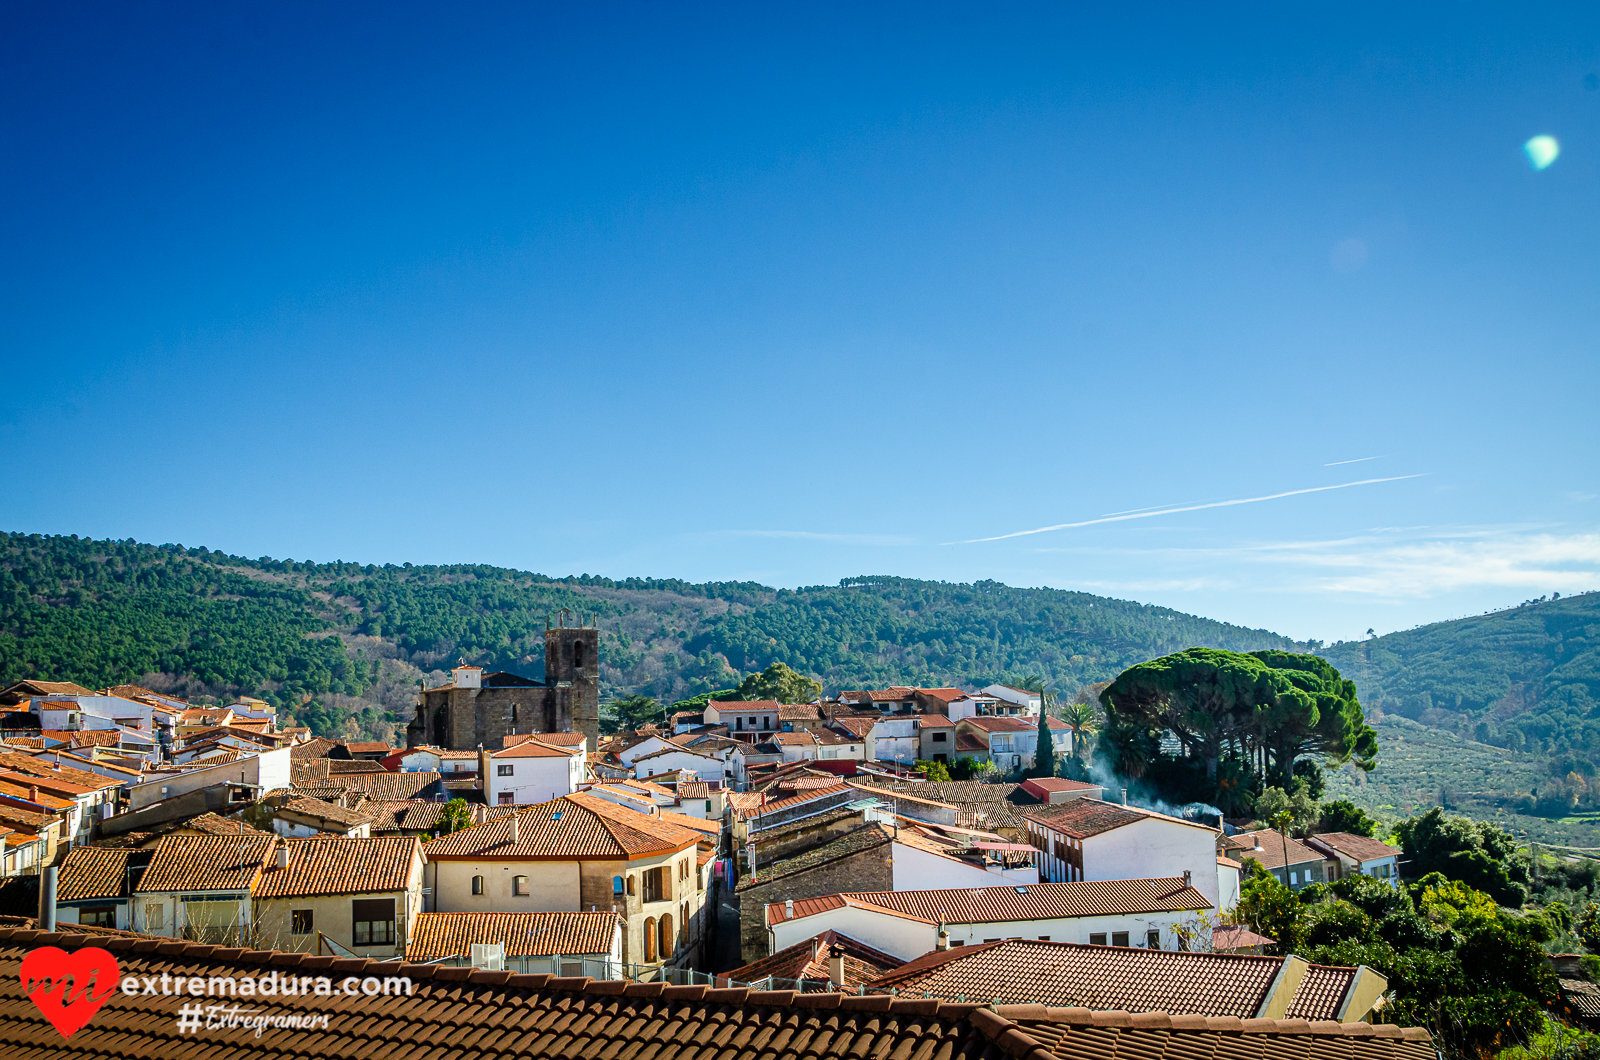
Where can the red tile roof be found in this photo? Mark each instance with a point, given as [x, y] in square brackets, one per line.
[1273, 846]
[523, 934]
[1036, 901]
[1095, 977]
[572, 827]
[342, 866]
[933, 721]
[808, 960]
[96, 872]
[499, 1016]
[535, 748]
[1358, 848]
[207, 862]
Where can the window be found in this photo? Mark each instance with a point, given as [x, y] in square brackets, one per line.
[957, 942]
[98, 915]
[513, 713]
[155, 916]
[577, 655]
[657, 885]
[616, 886]
[507, 798]
[300, 921]
[630, 884]
[939, 737]
[1097, 938]
[519, 885]
[1152, 939]
[1044, 938]
[505, 769]
[739, 722]
[987, 941]
[373, 921]
[649, 939]
[477, 885]
[1119, 938]
[1294, 878]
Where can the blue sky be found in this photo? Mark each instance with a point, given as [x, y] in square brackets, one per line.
[794, 293]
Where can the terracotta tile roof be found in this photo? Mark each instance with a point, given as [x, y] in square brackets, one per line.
[784, 804]
[746, 802]
[1355, 847]
[49, 688]
[99, 872]
[1036, 901]
[1234, 937]
[1582, 996]
[494, 1015]
[569, 828]
[889, 694]
[207, 862]
[554, 739]
[215, 824]
[696, 824]
[809, 960]
[85, 737]
[342, 866]
[1062, 784]
[327, 811]
[523, 934]
[799, 712]
[1004, 724]
[1271, 852]
[857, 727]
[1095, 977]
[933, 721]
[82, 778]
[1320, 993]
[947, 695]
[965, 741]
[694, 789]
[385, 786]
[1084, 817]
[794, 739]
[535, 749]
[317, 747]
[725, 706]
[368, 747]
[342, 767]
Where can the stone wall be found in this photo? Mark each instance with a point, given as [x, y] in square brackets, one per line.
[858, 861]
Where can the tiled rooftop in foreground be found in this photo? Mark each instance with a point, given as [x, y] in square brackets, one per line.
[458, 1012]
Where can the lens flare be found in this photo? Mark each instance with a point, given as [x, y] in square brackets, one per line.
[1542, 150]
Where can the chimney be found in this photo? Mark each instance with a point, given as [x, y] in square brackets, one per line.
[788, 909]
[1188, 878]
[516, 828]
[836, 966]
[283, 855]
[33, 793]
[1124, 796]
[942, 940]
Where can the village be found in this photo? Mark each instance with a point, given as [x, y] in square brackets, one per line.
[760, 845]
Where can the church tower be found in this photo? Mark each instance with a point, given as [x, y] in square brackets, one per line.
[572, 669]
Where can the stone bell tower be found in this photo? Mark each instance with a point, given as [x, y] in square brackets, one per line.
[572, 672]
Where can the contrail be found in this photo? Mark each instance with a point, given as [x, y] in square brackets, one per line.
[1189, 508]
[1357, 460]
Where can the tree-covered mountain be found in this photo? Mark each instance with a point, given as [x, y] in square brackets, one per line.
[1526, 679]
[342, 645]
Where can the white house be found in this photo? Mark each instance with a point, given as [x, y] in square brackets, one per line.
[974, 705]
[895, 739]
[1087, 839]
[266, 770]
[95, 712]
[930, 858]
[706, 767]
[905, 924]
[530, 771]
[1011, 743]
[746, 720]
[199, 887]
[1358, 855]
[1016, 700]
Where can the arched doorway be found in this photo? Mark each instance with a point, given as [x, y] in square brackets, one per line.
[650, 940]
[667, 939]
[441, 728]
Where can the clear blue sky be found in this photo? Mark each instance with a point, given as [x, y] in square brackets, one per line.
[797, 293]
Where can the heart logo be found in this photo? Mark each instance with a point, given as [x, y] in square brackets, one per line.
[69, 988]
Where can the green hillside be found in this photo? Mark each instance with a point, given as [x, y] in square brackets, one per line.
[1526, 680]
[342, 645]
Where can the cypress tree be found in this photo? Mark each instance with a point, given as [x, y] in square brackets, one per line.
[1044, 759]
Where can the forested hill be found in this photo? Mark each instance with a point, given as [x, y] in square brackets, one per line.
[1526, 678]
[343, 644]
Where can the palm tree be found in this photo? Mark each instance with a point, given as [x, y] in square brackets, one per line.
[1084, 721]
[1281, 822]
